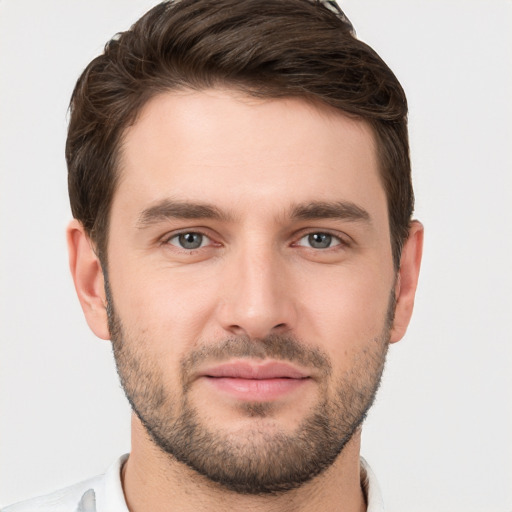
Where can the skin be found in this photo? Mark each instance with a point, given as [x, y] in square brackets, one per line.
[255, 275]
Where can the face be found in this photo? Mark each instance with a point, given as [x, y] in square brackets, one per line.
[250, 283]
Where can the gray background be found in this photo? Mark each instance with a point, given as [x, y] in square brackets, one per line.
[440, 436]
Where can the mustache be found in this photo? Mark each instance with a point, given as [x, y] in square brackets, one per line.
[274, 346]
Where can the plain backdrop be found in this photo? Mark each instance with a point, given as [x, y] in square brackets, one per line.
[440, 435]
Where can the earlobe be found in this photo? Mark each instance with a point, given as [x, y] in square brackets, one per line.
[407, 280]
[87, 275]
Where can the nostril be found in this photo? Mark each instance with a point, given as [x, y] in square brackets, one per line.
[236, 329]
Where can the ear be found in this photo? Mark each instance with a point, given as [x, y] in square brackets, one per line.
[88, 278]
[407, 280]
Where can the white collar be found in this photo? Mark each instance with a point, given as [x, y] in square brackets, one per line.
[115, 498]
[374, 501]
[104, 493]
[110, 496]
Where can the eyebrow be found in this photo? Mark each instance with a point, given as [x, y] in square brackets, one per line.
[172, 209]
[342, 210]
[315, 210]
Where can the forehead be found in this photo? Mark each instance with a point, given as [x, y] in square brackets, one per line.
[239, 152]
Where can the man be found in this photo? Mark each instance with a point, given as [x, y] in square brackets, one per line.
[240, 182]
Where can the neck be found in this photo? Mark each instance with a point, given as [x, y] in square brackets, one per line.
[154, 481]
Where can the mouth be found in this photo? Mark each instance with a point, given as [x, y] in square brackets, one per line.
[255, 382]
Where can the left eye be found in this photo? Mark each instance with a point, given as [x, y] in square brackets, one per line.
[319, 240]
[189, 240]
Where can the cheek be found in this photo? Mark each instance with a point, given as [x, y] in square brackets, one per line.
[165, 306]
[349, 310]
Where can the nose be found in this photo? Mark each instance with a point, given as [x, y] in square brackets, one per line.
[257, 296]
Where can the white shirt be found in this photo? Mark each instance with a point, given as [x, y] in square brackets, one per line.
[104, 493]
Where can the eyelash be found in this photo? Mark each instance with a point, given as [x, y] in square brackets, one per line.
[341, 242]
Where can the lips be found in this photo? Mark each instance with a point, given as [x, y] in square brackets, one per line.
[244, 370]
[255, 382]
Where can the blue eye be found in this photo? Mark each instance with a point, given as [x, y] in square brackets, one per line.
[189, 241]
[320, 240]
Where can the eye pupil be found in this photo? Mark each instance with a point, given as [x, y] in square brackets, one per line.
[191, 240]
[320, 240]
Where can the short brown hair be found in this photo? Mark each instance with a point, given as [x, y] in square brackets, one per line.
[266, 48]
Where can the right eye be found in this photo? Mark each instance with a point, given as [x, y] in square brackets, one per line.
[189, 241]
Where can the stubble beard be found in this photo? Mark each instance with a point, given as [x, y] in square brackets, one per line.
[257, 460]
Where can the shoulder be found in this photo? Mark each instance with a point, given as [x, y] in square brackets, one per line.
[63, 500]
[102, 493]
